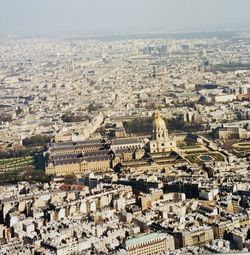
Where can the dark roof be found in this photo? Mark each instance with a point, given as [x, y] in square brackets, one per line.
[80, 155]
[79, 160]
[125, 141]
[98, 145]
[95, 153]
[63, 144]
[122, 150]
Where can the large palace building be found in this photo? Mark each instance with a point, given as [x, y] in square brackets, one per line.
[66, 158]
[92, 155]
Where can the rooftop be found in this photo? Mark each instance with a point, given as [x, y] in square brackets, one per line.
[140, 240]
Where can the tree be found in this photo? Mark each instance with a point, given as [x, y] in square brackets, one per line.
[72, 118]
[70, 178]
[138, 125]
[19, 111]
[36, 140]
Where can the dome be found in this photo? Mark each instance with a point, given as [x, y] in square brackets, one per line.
[158, 121]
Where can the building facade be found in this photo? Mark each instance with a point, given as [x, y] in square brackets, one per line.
[161, 141]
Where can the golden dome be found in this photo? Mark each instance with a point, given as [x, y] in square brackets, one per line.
[158, 121]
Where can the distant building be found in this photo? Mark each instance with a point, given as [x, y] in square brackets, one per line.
[223, 98]
[230, 133]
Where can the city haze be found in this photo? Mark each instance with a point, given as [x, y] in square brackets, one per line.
[29, 17]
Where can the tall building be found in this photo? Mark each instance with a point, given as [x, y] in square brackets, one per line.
[161, 141]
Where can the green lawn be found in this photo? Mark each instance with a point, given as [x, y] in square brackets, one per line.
[196, 152]
[243, 145]
[242, 149]
[194, 158]
[18, 162]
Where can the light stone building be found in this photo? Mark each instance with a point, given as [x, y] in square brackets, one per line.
[149, 244]
[161, 141]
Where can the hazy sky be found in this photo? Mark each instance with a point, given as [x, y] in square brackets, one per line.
[92, 16]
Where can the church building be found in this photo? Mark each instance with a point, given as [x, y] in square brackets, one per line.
[161, 140]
